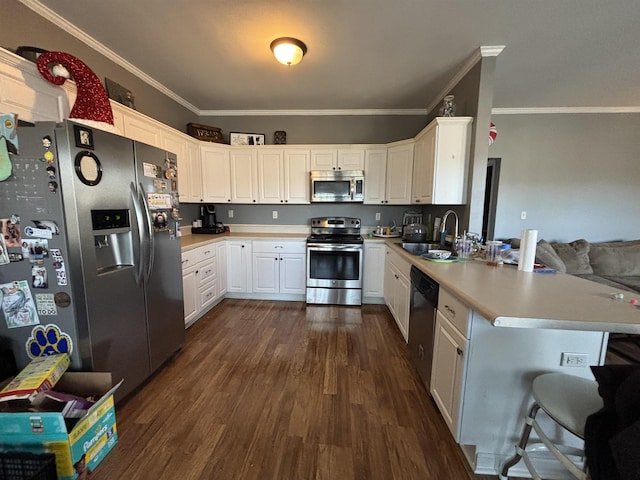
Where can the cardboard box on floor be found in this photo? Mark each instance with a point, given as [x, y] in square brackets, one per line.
[92, 437]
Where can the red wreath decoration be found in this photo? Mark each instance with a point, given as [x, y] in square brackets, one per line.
[92, 104]
[493, 133]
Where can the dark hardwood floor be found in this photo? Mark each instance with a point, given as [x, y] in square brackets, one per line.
[282, 390]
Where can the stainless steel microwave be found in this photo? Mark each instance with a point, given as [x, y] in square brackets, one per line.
[337, 186]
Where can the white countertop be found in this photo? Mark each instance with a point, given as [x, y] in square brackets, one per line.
[189, 242]
[510, 298]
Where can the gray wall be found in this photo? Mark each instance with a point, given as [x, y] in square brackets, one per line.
[23, 27]
[324, 129]
[576, 176]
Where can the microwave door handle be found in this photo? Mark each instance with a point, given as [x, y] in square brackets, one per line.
[353, 188]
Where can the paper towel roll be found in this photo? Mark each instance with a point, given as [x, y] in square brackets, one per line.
[528, 242]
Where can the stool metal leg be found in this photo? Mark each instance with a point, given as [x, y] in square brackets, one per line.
[529, 419]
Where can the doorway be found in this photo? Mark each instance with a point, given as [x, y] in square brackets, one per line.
[490, 198]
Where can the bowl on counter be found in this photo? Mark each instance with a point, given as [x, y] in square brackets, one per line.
[439, 254]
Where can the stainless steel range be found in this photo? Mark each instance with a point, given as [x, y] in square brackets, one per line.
[334, 261]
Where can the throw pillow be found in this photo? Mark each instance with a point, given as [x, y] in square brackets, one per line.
[546, 255]
[575, 256]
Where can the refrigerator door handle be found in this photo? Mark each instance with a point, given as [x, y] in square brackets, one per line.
[141, 232]
[151, 239]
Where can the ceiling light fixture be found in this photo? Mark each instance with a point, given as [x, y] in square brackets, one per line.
[288, 51]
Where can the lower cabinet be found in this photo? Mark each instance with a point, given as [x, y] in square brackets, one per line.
[397, 289]
[373, 269]
[199, 282]
[279, 267]
[239, 266]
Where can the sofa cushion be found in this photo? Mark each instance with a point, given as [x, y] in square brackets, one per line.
[620, 260]
[546, 255]
[575, 256]
[631, 284]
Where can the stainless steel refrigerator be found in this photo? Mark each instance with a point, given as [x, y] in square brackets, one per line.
[91, 252]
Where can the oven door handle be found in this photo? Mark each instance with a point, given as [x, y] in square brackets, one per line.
[329, 248]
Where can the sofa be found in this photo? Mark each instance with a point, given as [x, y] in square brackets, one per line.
[616, 264]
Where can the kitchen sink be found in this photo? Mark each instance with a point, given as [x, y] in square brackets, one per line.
[420, 248]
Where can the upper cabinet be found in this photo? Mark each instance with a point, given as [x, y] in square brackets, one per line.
[244, 175]
[337, 158]
[399, 173]
[216, 173]
[441, 162]
[375, 175]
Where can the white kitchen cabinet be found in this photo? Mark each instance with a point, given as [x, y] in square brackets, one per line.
[337, 158]
[142, 129]
[216, 173]
[448, 371]
[190, 174]
[283, 176]
[239, 266]
[244, 175]
[279, 267]
[399, 174]
[397, 289]
[199, 282]
[375, 176]
[373, 269]
[221, 253]
[441, 162]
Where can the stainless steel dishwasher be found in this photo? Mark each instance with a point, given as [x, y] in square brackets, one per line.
[422, 322]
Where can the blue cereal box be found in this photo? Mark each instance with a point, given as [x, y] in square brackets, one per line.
[78, 444]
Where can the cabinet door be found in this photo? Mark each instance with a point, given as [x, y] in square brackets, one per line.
[399, 173]
[293, 273]
[190, 175]
[221, 253]
[423, 164]
[266, 272]
[324, 159]
[216, 174]
[447, 371]
[451, 150]
[244, 176]
[142, 131]
[403, 293]
[238, 266]
[373, 269]
[271, 176]
[297, 183]
[389, 283]
[351, 159]
[375, 175]
[190, 294]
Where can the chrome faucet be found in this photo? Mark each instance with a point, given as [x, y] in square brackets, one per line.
[443, 228]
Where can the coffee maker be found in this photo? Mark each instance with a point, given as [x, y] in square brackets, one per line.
[208, 219]
[208, 215]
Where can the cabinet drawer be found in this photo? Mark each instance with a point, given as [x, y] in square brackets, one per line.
[269, 246]
[206, 272]
[454, 310]
[208, 296]
[205, 252]
[189, 259]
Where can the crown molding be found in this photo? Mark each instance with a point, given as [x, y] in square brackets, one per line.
[303, 113]
[485, 51]
[562, 110]
[71, 29]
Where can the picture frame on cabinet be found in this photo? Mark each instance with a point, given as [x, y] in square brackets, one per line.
[237, 138]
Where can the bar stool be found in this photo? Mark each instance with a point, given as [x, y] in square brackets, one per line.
[568, 400]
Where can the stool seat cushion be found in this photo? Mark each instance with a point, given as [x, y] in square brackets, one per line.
[568, 399]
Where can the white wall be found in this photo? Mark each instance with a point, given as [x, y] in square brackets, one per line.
[576, 176]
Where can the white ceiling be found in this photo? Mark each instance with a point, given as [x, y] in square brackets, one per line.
[378, 55]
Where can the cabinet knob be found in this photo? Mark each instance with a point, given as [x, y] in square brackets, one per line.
[286, 201]
[254, 201]
[228, 199]
[281, 201]
[242, 246]
[450, 310]
[417, 200]
[459, 351]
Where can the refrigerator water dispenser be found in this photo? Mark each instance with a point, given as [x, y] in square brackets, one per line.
[112, 239]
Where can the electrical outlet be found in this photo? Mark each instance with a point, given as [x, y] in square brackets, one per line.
[523, 215]
[377, 215]
[573, 359]
[230, 213]
[274, 214]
